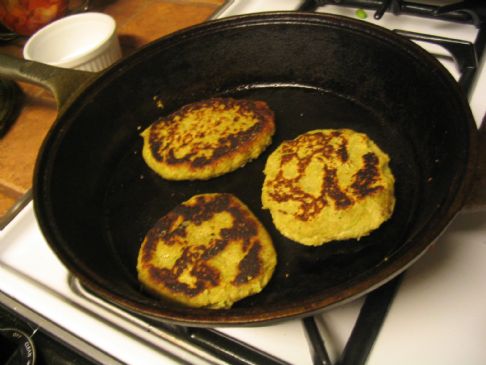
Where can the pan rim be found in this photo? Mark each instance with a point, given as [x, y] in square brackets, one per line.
[452, 204]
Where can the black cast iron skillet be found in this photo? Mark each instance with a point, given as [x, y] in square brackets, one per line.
[95, 198]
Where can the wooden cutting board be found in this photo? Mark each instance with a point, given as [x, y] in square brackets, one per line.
[138, 22]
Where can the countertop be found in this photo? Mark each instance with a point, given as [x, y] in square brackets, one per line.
[138, 22]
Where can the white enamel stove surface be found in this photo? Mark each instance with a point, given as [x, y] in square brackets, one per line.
[437, 317]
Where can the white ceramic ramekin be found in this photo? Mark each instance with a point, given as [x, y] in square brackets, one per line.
[85, 41]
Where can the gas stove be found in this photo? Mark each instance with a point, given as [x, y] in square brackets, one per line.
[436, 315]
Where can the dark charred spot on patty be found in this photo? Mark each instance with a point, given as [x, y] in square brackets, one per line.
[250, 266]
[366, 178]
[332, 189]
[342, 151]
[171, 281]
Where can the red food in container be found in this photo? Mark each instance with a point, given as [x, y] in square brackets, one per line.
[25, 17]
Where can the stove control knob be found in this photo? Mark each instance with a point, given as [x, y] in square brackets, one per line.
[18, 345]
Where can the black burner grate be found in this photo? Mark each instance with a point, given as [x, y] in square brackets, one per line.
[469, 11]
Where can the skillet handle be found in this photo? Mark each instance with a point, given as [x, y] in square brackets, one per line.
[477, 197]
[62, 82]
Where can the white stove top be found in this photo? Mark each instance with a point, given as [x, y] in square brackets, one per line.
[437, 317]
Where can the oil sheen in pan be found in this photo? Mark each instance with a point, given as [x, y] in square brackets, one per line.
[136, 197]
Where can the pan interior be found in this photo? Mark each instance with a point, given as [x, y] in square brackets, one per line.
[96, 198]
[136, 197]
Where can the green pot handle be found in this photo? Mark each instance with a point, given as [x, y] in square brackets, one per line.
[62, 82]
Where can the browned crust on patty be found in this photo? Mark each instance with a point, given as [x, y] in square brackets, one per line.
[365, 181]
[328, 184]
[208, 138]
[172, 230]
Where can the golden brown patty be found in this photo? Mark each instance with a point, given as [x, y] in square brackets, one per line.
[328, 185]
[208, 138]
[209, 251]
